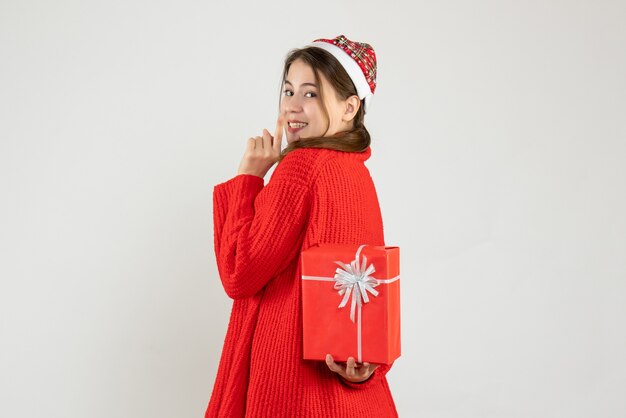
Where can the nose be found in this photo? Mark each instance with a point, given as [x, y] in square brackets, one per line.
[293, 104]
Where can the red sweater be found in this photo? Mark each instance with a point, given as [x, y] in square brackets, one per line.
[313, 196]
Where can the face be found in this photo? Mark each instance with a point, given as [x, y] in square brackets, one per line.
[303, 109]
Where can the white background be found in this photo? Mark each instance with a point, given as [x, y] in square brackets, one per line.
[498, 153]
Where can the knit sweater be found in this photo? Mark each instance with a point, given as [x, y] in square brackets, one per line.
[314, 195]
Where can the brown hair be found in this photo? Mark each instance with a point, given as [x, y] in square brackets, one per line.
[355, 140]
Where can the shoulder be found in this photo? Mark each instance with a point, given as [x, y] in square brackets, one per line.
[306, 165]
[303, 165]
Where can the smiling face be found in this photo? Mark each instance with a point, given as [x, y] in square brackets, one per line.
[303, 108]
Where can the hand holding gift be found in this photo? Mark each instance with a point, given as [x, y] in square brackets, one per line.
[352, 373]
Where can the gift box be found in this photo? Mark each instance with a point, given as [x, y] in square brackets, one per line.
[351, 302]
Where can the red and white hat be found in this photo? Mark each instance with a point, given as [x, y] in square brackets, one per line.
[359, 61]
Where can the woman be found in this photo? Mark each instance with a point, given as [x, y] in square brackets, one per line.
[320, 192]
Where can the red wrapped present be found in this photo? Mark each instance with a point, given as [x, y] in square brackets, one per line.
[352, 310]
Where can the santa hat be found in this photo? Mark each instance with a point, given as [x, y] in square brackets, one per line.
[359, 61]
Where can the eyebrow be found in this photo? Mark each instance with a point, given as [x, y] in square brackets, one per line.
[304, 84]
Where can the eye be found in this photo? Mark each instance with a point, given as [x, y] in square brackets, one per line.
[311, 93]
[286, 92]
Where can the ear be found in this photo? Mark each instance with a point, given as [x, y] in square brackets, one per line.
[352, 104]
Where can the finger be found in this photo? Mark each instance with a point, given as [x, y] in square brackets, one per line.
[267, 139]
[332, 365]
[365, 370]
[278, 134]
[251, 144]
[350, 367]
[259, 143]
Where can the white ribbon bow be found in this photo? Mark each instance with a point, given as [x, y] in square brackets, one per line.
[355, 280]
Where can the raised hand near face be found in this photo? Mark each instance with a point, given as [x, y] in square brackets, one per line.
[262, 152]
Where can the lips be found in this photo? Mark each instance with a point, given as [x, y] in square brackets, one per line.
[294, 129]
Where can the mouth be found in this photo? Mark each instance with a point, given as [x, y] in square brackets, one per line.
[296, 126]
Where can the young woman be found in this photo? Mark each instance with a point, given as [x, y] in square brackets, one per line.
[320, 192]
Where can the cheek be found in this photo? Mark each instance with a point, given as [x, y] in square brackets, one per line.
[315, 113]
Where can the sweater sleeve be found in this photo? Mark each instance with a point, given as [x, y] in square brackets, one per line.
[257, 229]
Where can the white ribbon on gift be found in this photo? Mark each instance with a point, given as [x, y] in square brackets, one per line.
[354, 279]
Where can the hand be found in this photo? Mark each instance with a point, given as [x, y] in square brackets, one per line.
[262, 152]
[352, 372]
